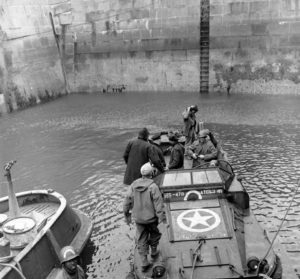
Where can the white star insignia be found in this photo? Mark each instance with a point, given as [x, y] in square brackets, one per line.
[198, 219]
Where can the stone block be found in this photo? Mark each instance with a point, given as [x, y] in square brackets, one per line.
[133, 34]
[56, 2]
[177, 32]
[284, 41]
[157, 33]
[259, 6]
[178, 13]
[286, 14]
[275, 8]
[44, 41]
[8, 58]
[294, 27]
[161, 13]
[124, 16]
[259, 29]
[254, 17]
[228, 42]
[69, 48]
[62, 8]
[84, 47]
[95, 16]
[65, 18]
[217, 20]
[295, 40]
[240, 30]
[194, 11]
[259, 42]
[216, 9]
[150, 44]
[139, 13]
[179, 55]
[145, 34]
[27, 44]
[171, 22]
[100, 26]
[193, 31]
[275, 28]
[36, 43]
[83, 67]
[239, 7]
[78, 17]
[219, 30]
[155, 24]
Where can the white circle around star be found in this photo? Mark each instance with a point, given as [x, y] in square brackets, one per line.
[198, 220]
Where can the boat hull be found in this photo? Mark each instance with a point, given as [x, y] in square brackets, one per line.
[57, 225]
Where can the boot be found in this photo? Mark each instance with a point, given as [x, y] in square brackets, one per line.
[145, 263]
[154, 251]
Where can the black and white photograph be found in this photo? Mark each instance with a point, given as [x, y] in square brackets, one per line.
[144, 139]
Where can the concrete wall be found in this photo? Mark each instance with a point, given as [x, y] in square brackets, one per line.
[30, 69]
[116, 45]
[154, 45]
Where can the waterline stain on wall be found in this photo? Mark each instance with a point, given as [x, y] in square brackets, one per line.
[254, 46]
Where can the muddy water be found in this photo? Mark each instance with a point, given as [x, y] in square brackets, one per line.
[75, 145]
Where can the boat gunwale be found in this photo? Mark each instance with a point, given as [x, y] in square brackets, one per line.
[43, 231]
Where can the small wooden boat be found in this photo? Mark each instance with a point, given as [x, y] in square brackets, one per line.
[35, 226]
[211, 232]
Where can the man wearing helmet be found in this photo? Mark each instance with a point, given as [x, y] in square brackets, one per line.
[69, 262]
[202, 150]
[145, 201]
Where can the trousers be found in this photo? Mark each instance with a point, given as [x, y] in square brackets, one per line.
[147, 234]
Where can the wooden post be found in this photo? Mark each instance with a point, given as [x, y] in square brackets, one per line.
[14, 210]
[60, 54]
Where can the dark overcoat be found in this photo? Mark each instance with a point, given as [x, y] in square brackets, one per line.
[177, 157]
[137, 153]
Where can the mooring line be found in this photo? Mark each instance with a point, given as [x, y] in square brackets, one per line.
[271, 245]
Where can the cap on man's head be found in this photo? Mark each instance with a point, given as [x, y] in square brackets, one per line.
[203, 133]
[194, 108]
[143, 134]
[147, 169]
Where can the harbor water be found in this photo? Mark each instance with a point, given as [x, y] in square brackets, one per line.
[75, 145]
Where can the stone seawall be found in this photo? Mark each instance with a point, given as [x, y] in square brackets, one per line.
[117, 45]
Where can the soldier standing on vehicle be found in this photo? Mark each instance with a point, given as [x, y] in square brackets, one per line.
[138, 152]
[145, 201]
[191, 125]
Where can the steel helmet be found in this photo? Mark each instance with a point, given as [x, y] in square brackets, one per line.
[147, 169]
[203, 133]
[67, 253]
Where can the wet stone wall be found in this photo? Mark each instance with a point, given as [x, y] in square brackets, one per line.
[119, 45]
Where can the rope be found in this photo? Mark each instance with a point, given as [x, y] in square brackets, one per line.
[298, 184]
[14, 268]
[196, 255]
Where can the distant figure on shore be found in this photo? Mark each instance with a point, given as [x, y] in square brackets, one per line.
[145, 203]
[191, 125]
[69, 262]
[202, 150]
[137, 153]
[228, 88]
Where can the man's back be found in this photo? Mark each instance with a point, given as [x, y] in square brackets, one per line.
[135, 155]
